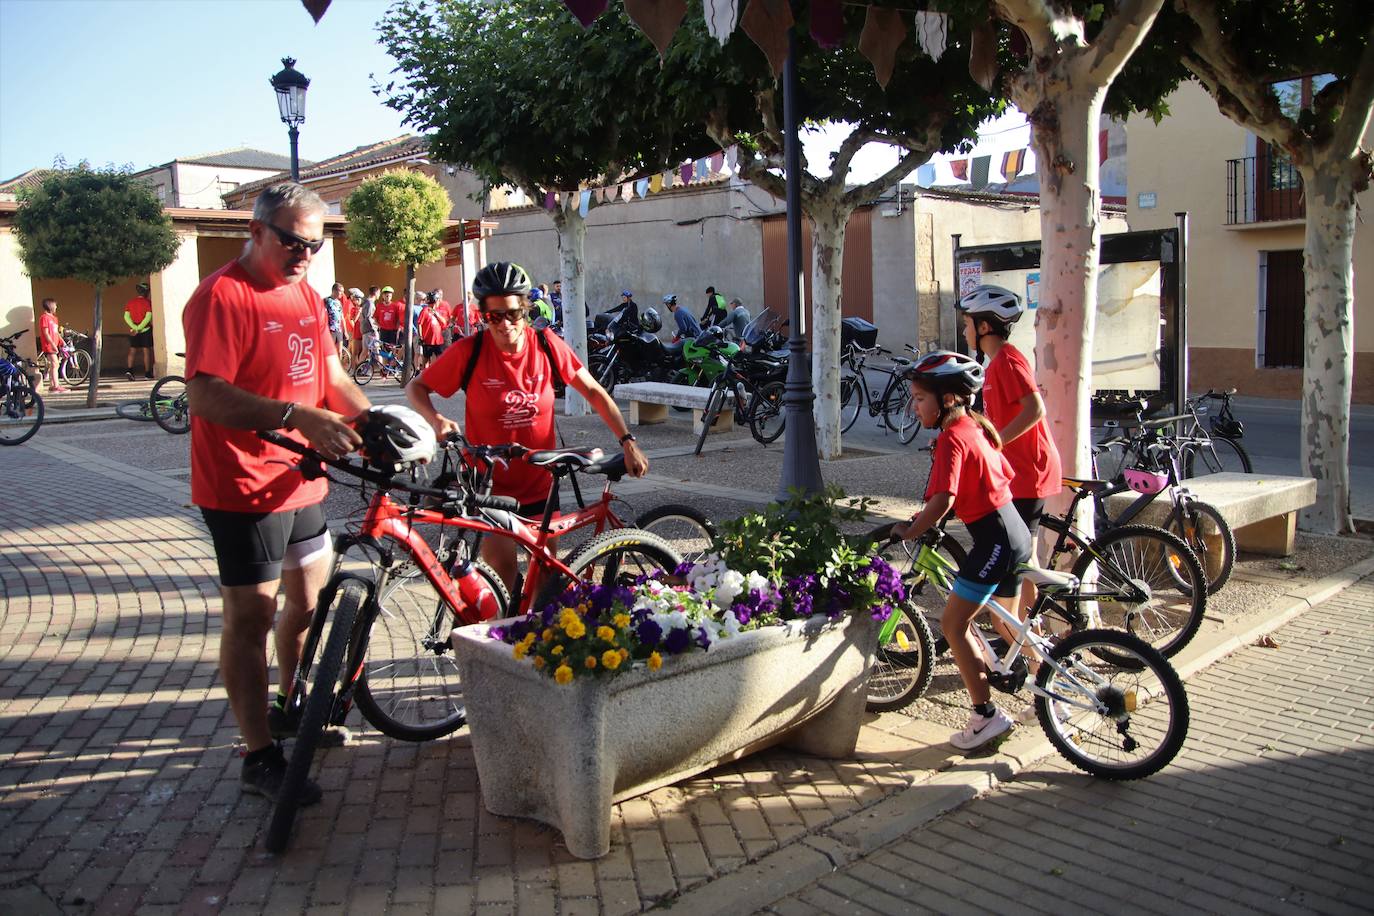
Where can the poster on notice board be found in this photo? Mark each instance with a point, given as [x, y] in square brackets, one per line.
[970, 276]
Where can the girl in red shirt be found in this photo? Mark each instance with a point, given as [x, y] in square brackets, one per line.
[970, 474]
[50, 341]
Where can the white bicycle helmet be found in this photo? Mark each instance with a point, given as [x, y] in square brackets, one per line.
[395, 437]
[997, 301]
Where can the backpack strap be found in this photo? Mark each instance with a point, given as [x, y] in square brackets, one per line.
[559, 386]
[472, 360]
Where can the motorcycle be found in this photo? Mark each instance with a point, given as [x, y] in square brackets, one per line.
[634, 353]
[705, 357]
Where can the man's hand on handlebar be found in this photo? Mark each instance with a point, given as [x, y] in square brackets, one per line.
[329, 433]
[444, 428]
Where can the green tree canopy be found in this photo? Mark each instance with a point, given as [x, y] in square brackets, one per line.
[398, 218]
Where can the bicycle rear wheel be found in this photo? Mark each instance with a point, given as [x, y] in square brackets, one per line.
[76, 368]
[766, 417]
[686, 529]
[1203, 529]
[1157, 565]
[319, 707]
[21, 413]
[135, 410]
[618, 557]
[169, 405]
[409, 687]
[1218, 456]
[1143, 715]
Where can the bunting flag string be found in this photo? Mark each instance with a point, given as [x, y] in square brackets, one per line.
[685, 172]
[981, 166]
[586, 11]
[548, 200]
[584, 202]
[932, 32]
[884, 31]
[827, 23]
[960, 168]
[717, 161]
[721, 16]
[767, 23]
[655, 184]
[658, 19]
[1012, 161]
[642, 187]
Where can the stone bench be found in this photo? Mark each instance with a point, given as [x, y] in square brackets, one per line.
[649, 403]
[1262, 509]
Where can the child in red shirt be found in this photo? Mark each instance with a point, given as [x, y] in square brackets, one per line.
[431, 329]
[971, 474]
[50, 342]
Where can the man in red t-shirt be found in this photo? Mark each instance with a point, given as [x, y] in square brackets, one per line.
[444, 309]
[510, 396]
[430, 326]
[50, 342]
[138, 315]
[388, 317]
[259, 356]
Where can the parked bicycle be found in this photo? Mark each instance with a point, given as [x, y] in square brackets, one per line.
[1211, 449]
[401, 674]
[889, 400]
[752, 384]
[385, 363]
[73, 363]
[21, 407]
[1111, 704]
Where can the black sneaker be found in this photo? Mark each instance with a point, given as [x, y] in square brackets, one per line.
[129, 375]
[283, 724]
[265, 776]
[148, 374]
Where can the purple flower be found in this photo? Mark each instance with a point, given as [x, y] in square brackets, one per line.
[889, 581]
[649, 633]
[497, 633]
[881, 612]
[684, 568]
[703, 638]
[801, 592]
[837, 602]
[677, 641]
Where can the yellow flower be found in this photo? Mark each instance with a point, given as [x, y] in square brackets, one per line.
[520, 649]
[539, 662]
[575, 629]
[548, 634]
[591, 661]
[624, 654]
[528, 640]
[605, 633]
[562, 674]
[556, 650]
[655, 661]
[621, 621]
[611, 659]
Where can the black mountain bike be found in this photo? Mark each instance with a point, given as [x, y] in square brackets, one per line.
[21, 407]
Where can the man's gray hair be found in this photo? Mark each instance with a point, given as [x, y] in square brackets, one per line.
[287, 195]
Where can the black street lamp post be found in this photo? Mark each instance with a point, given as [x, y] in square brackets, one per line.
[290, 85]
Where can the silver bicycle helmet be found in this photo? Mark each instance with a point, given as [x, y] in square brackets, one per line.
[395, 437]
[948, 371]
[997, 301]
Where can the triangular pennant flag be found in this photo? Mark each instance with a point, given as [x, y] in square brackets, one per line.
[655, 184]
[584, 202]
[1102, 146]
[827, 23]
[732, 160]
[721, 17]
[685, 171]
[586, 11]
[1012, 161]
[932, 33]
[608, 194]
[658, 19]
[981, 166]
[568, 200]
[627, 191]
[884, 31]
[959, 167]
[699, 170]
[548, 200]
[642, 187]
[669, 179]
[316, 8]
[767, 23]
[717, 160]
[925, 175]
[982, 54]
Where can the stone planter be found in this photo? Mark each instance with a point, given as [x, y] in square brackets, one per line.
[564, 754]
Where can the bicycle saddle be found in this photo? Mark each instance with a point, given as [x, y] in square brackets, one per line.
[613, 466]
[564, 458]
[1087, 486]
[1049, 579]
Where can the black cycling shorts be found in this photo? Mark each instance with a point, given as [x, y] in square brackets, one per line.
[388, 337]
[1001, 544]
[1031, 510]
[431, 349]
[254, 547]
[141, 339]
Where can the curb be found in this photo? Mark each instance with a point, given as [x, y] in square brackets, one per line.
[791, 868]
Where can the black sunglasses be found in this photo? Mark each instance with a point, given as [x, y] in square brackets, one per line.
[293, 242]
[511, 315]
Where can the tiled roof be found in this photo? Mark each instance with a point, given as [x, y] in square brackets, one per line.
[243, 157]
[30, 179]
[372, 154]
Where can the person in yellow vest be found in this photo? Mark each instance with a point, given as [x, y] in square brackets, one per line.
[138, 315]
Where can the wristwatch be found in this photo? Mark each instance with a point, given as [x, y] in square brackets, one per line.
[286, 414]
[628, 437]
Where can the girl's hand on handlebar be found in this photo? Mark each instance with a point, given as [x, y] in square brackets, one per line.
[328, 433]
[445, 428]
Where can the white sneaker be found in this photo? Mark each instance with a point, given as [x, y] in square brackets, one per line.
[980, 730]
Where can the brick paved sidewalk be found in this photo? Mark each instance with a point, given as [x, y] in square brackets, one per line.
[1268, 809]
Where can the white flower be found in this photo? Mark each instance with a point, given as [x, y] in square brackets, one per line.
[730, 624]
[754, 582]
[728, 589]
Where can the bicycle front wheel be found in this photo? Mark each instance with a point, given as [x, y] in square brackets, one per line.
[1115, 707]
[76, 368]
[1147, 582]
[686, 529]
[896, 403]
[362, 373]
[319, 707]
[714, 402]
[851, 401]
[409, 688]
[21, 413]
[767, 419]
[618, 557]
[169, 405]
[1217, 455]
[1203, 529]
[134, 410]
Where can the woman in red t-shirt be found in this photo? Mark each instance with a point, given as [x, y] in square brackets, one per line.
[970, 474]
[1013, 404]
[510, 396]
[50, 342]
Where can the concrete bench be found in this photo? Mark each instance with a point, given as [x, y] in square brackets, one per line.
[649, 403]
[1262, 509]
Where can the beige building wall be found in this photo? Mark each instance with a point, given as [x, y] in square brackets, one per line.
[16, 296]
[1182, 162]
[196, 186]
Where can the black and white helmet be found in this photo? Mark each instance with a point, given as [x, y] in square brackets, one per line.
[948, 371]
[649, 321]
[670, 299]
[395, 437]
[997, 301]
[500, 278]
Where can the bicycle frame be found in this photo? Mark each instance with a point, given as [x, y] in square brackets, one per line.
[1065, 531]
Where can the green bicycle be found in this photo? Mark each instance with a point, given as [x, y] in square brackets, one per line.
[167, 406]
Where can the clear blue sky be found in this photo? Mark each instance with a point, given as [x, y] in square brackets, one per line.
[147, 81]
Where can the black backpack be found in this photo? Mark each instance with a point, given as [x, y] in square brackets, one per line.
[560, 387]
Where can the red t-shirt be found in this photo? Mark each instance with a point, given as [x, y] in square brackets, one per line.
[1034, 459]
[388, 315]
[272, 342]
[49, 333]
[350, 317]
[431, 327]
[968, 466]
[444, 310]
[510, 399]
[138, 307]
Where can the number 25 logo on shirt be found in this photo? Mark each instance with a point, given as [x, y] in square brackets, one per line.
[302, 366]
[521, 409]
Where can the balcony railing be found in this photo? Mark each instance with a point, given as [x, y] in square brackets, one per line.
[1262, 189]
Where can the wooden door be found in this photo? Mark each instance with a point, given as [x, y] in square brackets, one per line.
[1284, 310]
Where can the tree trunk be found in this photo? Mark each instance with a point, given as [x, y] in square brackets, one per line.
[97, 347]
[1328, 343]
[1064, 134]
[408, 368]
[572, 236]
[829, 221]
